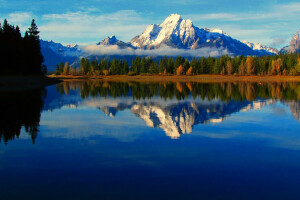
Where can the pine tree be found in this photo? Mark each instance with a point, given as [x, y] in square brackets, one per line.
[186, 66]
[61, 68]
[170, 66]
[194, 65]
[57, 70]
[144, 65]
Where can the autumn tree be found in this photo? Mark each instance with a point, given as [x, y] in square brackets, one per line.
[229, 67]
[298, 66]
[250, 65]
[66, 68]
[190, 71]
[179, 70]
[279, 66]
[242, 69]
[272, 70]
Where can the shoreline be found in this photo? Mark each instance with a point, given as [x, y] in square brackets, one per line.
[22, 82]
[183, 78]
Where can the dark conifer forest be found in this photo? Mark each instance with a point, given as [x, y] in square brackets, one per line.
[20, 55]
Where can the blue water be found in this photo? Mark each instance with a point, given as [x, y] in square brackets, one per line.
[122, 147]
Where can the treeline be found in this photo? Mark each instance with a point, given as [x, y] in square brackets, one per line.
[284, 64]
[206, 91]
[20, 55]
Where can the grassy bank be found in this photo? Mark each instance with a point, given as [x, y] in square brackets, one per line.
[20, 82]
[164, 78]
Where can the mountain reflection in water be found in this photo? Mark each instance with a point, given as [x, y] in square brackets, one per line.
[174, 107]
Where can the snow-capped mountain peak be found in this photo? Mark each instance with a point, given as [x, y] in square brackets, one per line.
[172, 20]
[294, 46]
[112, 40]
[260, 47]
[216, 30]
[174, 31]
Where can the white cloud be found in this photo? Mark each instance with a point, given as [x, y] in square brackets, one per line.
[19, 18]
[22, 19]
[91, 26]
[164, 51]
[279, 21]
[278, 12]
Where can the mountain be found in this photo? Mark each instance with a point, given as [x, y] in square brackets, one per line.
[179, 33]
[294, 46]
[112, 40]
[262, 48]
[55, 53]
[175, 33]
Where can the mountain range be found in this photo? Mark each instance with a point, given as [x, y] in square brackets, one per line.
[175, 36]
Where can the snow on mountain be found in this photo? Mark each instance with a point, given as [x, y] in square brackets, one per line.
[294, 46]
[215, 30]
[112, 40]
[260, 47]
[69, 50]
[175, 36]
[55, 53]
[174, 31]
[182, 34]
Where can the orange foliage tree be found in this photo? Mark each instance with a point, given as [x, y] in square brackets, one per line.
[279, 65]
[250, 65]
[179, 70]
[190, 71]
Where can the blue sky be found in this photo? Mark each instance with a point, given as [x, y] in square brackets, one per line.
[270, 22]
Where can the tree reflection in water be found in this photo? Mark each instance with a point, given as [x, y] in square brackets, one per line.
[20, 109]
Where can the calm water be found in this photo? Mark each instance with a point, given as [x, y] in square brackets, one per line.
[99, 140]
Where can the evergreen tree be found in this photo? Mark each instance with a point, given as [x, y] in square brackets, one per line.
[114, 69]
[186, 66]
[170, 66]
[144, 68]
[61, 68]
[177, 62]
[57, 70]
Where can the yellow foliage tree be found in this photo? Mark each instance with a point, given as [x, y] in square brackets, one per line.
[229, 67]
[250, 65]
[66, 68]
[223, 71]
[273, 68]
[189, 71]
[165, 72]
[179, 70]
[105, 72]
[298, 66]
[242, 69]
[279, 65]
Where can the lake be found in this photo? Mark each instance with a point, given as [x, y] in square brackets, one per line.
[112, 140]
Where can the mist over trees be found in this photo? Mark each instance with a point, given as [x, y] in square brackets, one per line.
[20, 55]
[284, 64]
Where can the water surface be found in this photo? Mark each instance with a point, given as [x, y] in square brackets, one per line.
[101, 140]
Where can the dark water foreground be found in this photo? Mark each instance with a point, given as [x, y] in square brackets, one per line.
[100, 140]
